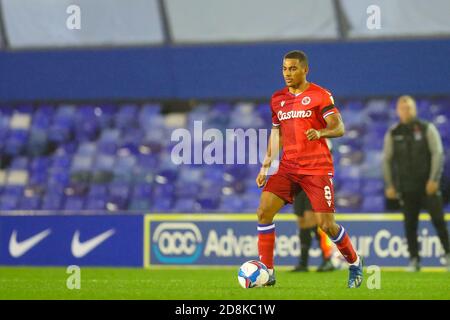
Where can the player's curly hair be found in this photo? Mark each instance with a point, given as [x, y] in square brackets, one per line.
[299, 55]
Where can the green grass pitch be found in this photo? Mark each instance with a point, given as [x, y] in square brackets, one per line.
[212, 283]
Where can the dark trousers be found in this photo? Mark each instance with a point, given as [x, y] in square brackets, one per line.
[412, 203]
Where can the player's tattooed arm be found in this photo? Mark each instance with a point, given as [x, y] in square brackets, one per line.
[335, 128]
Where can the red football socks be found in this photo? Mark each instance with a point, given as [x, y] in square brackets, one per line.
[266, 243]
[344, 244]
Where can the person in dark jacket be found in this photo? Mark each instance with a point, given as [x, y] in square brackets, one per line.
[413, 165]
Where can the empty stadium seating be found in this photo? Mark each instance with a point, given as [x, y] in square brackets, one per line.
[118, 157]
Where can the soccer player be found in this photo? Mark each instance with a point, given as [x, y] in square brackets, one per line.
[303, 115]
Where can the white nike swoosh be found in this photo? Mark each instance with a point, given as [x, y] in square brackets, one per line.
[80, 249]
[18, 249]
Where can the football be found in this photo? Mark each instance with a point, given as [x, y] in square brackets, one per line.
[253, 274]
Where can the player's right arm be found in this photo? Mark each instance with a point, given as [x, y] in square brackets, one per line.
[273, 149]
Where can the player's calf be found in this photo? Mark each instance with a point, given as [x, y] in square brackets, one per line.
[270, 204]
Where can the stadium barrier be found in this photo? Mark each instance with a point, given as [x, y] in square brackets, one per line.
[147, 240]
[187, 72]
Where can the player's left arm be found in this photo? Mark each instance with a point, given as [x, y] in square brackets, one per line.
[335, 128]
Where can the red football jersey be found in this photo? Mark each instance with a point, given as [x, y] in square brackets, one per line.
[295, 114]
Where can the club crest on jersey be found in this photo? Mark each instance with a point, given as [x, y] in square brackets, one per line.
[293, 114]
[282, 103]
[306, 101]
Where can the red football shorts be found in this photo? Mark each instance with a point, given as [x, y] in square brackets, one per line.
[319, 189]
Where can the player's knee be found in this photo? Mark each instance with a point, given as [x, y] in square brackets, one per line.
[326, 226]
[264, 215]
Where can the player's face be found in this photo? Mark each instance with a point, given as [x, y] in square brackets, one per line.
[294, 72]
[406, 110]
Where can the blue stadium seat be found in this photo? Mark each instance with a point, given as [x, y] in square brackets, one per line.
[373, 186]
[87, 149]
[142, 190]
[51, 201]
[107, 147]
[377, 110]
[9, 202]
[30, 203]
[154, 134]
[81, 163]
[124, 164]
[61, 161]
[131, 147]
[97, 190]
[232, 203]
[162, 205]
[58, 179]
[16, 142]
[163, 191]
[104, 162]
[126, 117]
[139, 205]
[348, 202]
[116, 203]
[24, 108]
[69, 147]
[75, 203]
[19, 163]
[38, 178]
[6, 110]
[13, 191]
[87, 130]
[119, 190]
[250, 204]
[187, 190]
[186, 205]
[208, 202]
[148, 161]
[40, 163]
[150, 109]
[95, 203]
[110, 135]
[373, 204]
[189, 175]
[213, 173]
[350, 185]
[38, 142]
[41, 120]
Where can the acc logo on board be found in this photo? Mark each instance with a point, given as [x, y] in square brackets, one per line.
[177, 242]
